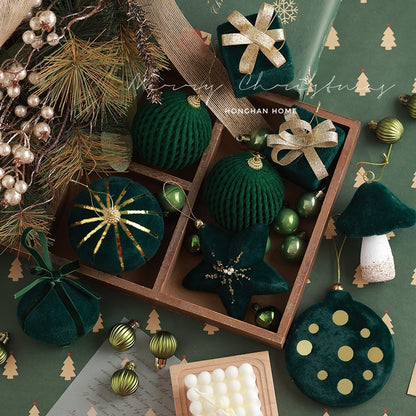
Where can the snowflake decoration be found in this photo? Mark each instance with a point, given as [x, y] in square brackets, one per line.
[286, 10]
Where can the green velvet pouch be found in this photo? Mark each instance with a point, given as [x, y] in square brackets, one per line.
[115, 225]
[233, 266]
[299, 171]
[339, 352]
[55, 309]
[265, 75]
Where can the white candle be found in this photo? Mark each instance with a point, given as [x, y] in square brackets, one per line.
[229, 392]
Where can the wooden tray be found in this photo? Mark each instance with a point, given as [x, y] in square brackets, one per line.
[260, 362]
[160, 280]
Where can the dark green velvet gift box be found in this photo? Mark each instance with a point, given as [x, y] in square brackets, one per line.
[265, 75]
[299, 171]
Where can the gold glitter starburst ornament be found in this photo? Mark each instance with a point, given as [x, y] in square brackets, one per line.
[115, 225]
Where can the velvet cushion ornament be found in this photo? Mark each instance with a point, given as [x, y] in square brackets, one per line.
[265, 75]
[234, 267]
[55, 309]
[115, 225]
[374, 210]
[299, 171]
[242, 190]
[174, 134]
[339, 352]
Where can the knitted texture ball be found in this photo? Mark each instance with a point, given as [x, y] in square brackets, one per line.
[240, 192]
[172, 135]
[115, 225]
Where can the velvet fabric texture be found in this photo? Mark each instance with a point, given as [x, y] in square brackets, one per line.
[339, 352]
[172, 135]
[374, 210]
[115, 225]
[238, 196]
[299, 171]
[265, 75]
[57, 314]
[233, 266]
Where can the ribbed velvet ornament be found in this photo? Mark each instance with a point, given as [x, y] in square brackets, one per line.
[172, 135]
[242, 190]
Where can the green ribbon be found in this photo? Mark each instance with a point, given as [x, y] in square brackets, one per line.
[44, 269]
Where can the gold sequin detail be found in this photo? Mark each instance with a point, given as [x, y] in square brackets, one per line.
[111, 215]
[365, 333]
[313, 328]
[340, 317]
[304, 347]
[375, 355]
[322, 375]
[345, 386]
[345, 353]
[368, 375]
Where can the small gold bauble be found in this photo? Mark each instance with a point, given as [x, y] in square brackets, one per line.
[194, 101]
[255, 162]
[125, 381]
[162, 345]
[123, 336]
[337, 286]
[4, 337]
[111, 215]
[388, 130]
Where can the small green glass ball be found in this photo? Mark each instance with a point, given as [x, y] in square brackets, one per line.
[268, 244]
[286, 222]
[171, 198]
[293, 248]
[258, 139]
[308, 205]
[267, 317]
[193, 244]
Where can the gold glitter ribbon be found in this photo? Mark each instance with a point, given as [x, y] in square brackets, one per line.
[257, 37]
[302, 141]
[193, 60]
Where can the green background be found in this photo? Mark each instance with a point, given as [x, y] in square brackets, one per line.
[360, 28]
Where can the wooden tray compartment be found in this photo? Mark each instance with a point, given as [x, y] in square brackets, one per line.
[160, 280]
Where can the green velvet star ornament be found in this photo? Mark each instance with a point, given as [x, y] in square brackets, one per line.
[234, 267]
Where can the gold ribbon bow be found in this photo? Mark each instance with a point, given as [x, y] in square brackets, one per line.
[302, 141]
[257, 38]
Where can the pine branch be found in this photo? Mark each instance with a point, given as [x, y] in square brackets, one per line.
[151, 54]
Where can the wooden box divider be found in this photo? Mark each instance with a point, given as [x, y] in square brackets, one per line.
[165, 286]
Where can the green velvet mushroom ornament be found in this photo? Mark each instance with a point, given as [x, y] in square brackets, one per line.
[373, 212]
[233, 266]
[339, 352]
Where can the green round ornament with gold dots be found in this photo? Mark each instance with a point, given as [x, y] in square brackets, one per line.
[174, 134]
[339, 352]
[389, 130]
[115, 225]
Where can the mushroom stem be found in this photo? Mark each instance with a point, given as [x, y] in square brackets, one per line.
[377, 264]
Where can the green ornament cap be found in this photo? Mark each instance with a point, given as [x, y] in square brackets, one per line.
[243, 189]
[123, 336]
[374, 210]
[4, 354]
[171, 198]
[286, 222]
[172, 135]
[410, 102]
[162, 345]
[389, 130]
[125, 381]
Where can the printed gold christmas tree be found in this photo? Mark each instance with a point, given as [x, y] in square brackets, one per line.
[153, 323]
[414, 181]
[358, 280]
[92, 411]
[330, 230]
[34, 411]
[362, 87]
[359, 178]
[99, 325]
[210, 329]
[388, 40]
[150, 412]
[413, 278]
[414, 86]
[387, 320]
[10, 368]
[412, 385]
[15, 272]
[332, 39]
[184, 360]
[68, 369]
[125, 361]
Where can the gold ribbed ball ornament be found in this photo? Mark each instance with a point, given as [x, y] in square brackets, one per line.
[410, 102]
[389, 130]
[162, 345]
[123, 335]
[4, 337]
[125, 381]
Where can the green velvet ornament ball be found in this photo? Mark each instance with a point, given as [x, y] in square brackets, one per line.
[171, 198]
[242, 190]
[286, 222]
[174, 134]
[339, 352]
[115, 225]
